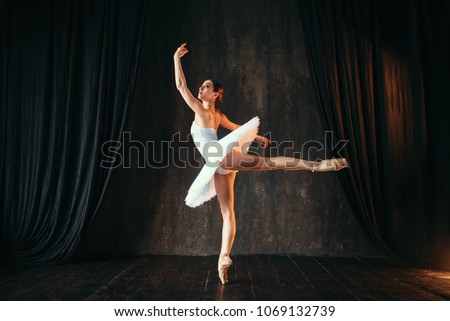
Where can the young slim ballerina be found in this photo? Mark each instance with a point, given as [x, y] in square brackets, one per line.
[226, 156]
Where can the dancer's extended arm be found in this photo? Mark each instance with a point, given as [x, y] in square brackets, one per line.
[180, 82]
[228, 124]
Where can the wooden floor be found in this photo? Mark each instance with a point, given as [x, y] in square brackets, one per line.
[259, 277]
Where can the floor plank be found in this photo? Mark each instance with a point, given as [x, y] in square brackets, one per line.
[293, 280]
[257, 277]
[353, 273]
[154, 278]
[239, 279]
[190, 283]
[259, 288]
[125, 283]
[327, 286]
[409, 282]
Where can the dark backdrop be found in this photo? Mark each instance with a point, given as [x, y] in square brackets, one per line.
[68, 69]
[380, 70]
[256, 49]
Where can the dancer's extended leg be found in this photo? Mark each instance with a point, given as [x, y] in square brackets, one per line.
[224, 185]
[237, 160]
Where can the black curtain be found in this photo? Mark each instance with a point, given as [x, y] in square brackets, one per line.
[68, 69]
[381, 74]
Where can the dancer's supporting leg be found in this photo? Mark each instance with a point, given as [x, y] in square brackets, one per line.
[237, 160]
[224, 185]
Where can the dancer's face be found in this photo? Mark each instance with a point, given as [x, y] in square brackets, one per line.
[206, 91]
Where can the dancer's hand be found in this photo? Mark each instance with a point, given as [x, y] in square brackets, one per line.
[263, 140]
[181, 51]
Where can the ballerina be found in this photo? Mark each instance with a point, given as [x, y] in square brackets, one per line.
[228, 155]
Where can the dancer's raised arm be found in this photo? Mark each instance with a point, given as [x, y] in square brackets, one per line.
[180, 82]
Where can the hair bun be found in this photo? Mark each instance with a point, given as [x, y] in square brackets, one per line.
[218, 88]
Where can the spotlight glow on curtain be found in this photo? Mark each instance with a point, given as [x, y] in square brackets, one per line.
[381, 74]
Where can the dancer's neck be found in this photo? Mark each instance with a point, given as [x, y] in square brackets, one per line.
[211, 106]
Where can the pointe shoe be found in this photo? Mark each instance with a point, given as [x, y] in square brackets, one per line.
[335, 165]
[223, 265]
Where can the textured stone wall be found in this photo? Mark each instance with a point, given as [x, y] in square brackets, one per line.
[256, 49]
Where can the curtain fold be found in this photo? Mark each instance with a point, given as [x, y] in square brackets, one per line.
[68, 75]
[380, 71]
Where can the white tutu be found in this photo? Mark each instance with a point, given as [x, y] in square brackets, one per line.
[214, 151]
